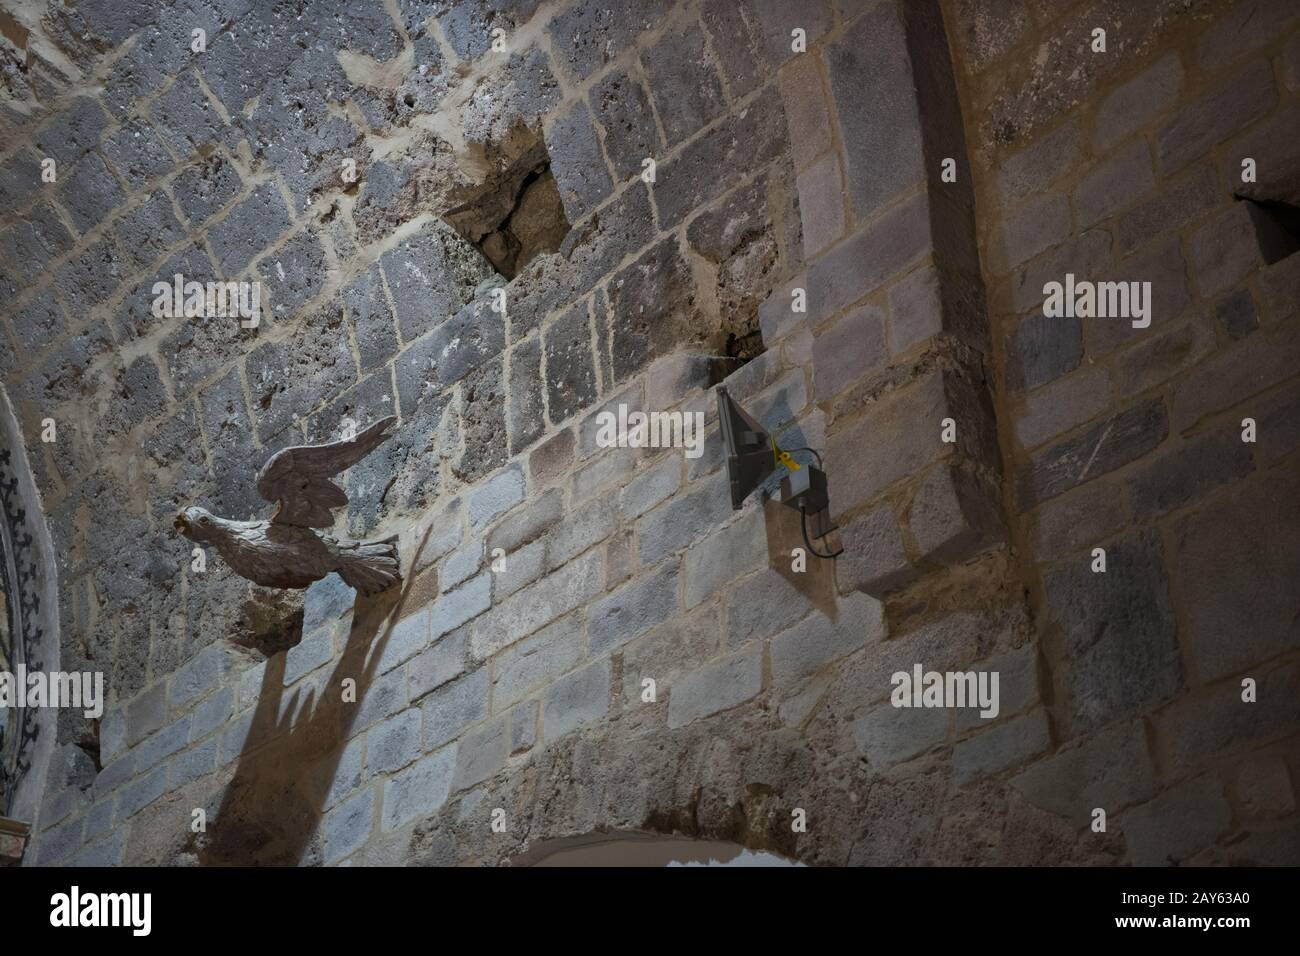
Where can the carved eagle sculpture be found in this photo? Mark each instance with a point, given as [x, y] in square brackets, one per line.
[286, 551]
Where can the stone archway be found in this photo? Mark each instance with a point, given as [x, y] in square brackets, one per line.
[636, 848]
[30, 584]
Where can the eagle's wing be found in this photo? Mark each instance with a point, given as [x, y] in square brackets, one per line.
[298, 477]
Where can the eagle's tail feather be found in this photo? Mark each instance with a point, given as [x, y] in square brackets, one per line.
[371, 566]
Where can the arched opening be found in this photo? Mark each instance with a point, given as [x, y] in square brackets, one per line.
[29, 625]
[637, 848]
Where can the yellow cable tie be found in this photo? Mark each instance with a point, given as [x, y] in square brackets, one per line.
[783, 457]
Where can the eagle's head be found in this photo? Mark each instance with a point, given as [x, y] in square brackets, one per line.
[198, 525]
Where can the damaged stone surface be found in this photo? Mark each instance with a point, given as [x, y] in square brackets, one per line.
[464, 237]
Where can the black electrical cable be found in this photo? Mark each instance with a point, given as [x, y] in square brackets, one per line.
[803, 526]
[803, 514]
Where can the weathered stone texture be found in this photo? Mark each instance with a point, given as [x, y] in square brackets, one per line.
[591, 638]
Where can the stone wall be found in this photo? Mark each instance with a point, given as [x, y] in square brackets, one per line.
[548, 578]
[1128, 165]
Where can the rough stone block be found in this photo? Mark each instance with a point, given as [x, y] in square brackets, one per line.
[875, 560]
[536, 661]
[1001, 746]
[879, 113]
[432, 276]
[577, 162]
[444, 661]
[1062, 405]
[806, 111]
[570, 363]
[984, 31]
[1082, 517]
[686, 90]
[251, 226]
[1120, 631]
[1111, 769]
[418, 790]
[634, 608]
[1039, 164]
[848, 350]
[293, 274]
[1179, 203]
[1216, 115]
[718, 159]
[537, 605]
[1111, 185]
[495, 497]
[453, 707]
[73, 132]
[576, 699]
[393, 743]
[204, 189]
[1190, 471]
[954, 515]
[1138, 102]
[715, 687]
[858, 622]
[1039, 224]
[623, 110]
[890, 735]
[1182, 820]
[723, 556]
[347, 827]
[90, 193]
[551, 459]
[591, 33]
[1111, 443]
[652, 302]
[1231, 561]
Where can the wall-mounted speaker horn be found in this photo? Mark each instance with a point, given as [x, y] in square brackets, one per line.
[752, 453]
